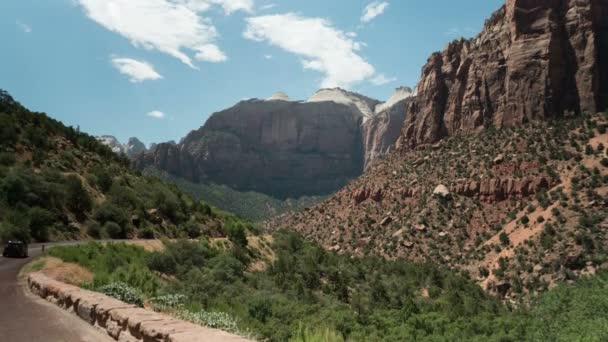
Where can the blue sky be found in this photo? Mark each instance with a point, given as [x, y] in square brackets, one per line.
[157, 69]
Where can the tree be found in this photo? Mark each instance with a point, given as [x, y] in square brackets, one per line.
[504, 239]
[13, 189]
[78, 199]
[40, 222]
[236, 234]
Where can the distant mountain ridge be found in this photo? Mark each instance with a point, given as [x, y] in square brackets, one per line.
[130, 149]
[286, 148]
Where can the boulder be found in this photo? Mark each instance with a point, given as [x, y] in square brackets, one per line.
[442, 191]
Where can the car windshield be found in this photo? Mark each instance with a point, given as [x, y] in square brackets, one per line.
[13, 245]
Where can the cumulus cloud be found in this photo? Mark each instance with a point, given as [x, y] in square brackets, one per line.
[382, 79]
[156, 114]
[320, 46]
[138, 71]
[373, 10]
[174, 27]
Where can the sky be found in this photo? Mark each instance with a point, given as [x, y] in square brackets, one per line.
[157, 69]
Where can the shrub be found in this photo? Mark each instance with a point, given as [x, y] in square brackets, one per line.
[40, 221]
[146, 233]
[94, 229]
[78, 199]
[114, 230]
[217, 320]
[504, 239]
[237, 234]
[7, 159]
[110, 212]
[123, 292]
[168, 302]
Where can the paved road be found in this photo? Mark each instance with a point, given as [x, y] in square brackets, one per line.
[25, 318]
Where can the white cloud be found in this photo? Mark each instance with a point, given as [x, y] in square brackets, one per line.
[268, 6]
[373, 10]
[321, 47]
[156, 114]
[235, 5]
[24, 27]
[138, 71]
[381, 79]
[268, 56]
[174, 27]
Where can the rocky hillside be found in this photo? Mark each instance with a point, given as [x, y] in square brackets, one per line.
[517, 208]
[534, 60]
[285, 148]
[57, 183]
[500, 170]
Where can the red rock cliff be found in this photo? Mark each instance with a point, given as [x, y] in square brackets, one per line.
[534, 59]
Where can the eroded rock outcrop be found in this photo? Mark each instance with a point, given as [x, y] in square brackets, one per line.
[500, 189]
[533, 60]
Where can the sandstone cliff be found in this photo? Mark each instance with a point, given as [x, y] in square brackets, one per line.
[286, 148]
[383, 129]
[533, 60]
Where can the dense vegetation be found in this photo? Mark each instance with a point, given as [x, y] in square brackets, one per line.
[57, 183]
[249, 205]
[307, 293]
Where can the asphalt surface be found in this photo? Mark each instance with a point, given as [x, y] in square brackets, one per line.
[25, 318]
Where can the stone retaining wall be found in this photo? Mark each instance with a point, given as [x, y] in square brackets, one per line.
[123, 322]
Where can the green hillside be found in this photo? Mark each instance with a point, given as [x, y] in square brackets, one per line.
[57, 183]
[250, 205]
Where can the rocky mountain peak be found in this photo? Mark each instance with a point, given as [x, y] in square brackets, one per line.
[112, 142]
[399, 94]
[279, 96]
[133, 147]
[364, 104]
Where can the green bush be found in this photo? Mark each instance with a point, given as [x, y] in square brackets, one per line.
[123, 292]
[7, 159]
[237, 234]
[109, 212]
[78, 199]
[40, 223]
[114, 230]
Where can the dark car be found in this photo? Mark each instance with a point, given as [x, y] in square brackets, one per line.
[15, 249]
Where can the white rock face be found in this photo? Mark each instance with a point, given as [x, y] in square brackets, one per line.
[365, 105]
[399, 95]
[133, 147]
[112, 143]
[380, 133]
[279, 96]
